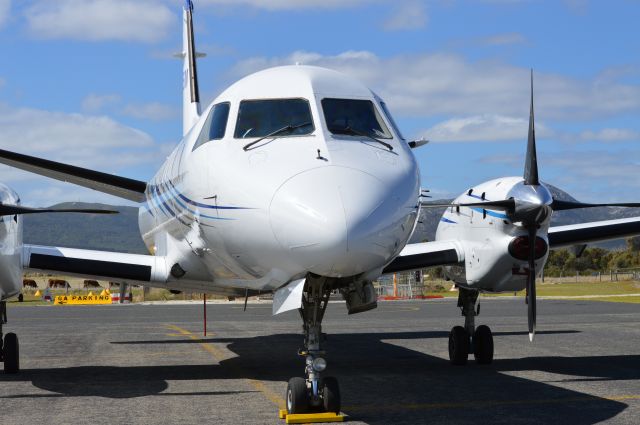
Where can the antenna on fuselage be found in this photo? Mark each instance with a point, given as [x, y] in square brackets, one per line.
[190, 90]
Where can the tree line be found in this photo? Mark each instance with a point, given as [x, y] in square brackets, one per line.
[563, 262]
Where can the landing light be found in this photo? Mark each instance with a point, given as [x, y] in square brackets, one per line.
[319, 364]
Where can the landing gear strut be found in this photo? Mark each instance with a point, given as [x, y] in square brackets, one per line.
[314, 391]
[9, 347]
[469, 339]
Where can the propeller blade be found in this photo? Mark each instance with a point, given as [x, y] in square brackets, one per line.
[16, 209]
[531, 284]
[559, 205]
[505, 205]
[531, 160]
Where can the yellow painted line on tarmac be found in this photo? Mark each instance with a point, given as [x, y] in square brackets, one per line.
[489, 403]
[215, 352]
[219, 357]
[273, 397]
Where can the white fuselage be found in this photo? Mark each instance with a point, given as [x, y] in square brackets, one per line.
[485, 238]
[10, 247]
[327, 204]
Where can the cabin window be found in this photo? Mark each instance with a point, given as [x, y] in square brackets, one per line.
[215, 126]
[353, 117]
[385, 109]
[285, 117]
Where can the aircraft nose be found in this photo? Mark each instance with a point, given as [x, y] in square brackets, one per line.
[333, 221]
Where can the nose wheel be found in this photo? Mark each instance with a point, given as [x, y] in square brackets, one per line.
[297, 395]
[469, 339]
[314, 392]
[300, 397]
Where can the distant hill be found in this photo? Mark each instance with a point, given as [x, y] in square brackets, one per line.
[116, 232]
[120, 233]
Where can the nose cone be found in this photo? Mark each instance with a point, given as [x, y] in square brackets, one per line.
[338, 221]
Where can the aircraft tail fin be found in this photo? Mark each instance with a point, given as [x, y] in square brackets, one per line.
[190, 90]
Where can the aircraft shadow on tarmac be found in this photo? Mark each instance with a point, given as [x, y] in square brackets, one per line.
[381, 382]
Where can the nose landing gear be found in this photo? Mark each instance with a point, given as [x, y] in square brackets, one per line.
[469, 339]
[9, 347]
[314, 392]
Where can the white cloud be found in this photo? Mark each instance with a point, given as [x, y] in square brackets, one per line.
[97, 102]
[422, 85]
[408, 16]
[588, 175]
[610, 135]
[503, 39]
[153, 111]
[99, 20]
[5, 8]
[287, 4]
[490, 128]
[87, 141]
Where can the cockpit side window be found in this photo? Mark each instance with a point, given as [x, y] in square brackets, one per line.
[215, 126]
[287, 117]
[354, 116]
[385, 109]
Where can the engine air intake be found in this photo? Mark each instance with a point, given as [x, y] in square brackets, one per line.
[519, 248]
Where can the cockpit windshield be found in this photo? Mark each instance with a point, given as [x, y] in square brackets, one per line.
[259, 118]
[353, 116]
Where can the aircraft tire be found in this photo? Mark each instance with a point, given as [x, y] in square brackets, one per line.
[483, 345]
[11, 353]
[331, 395]
[297, 397]
[458, 346]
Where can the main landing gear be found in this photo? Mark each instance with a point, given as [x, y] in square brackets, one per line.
[314, 392]
[9, 347]
[469, 339]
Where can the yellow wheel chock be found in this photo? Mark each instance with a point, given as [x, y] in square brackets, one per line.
[307, 418]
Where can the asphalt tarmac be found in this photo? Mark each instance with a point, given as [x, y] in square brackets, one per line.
[150, 364]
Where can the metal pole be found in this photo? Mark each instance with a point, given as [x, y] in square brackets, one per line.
[204, 298]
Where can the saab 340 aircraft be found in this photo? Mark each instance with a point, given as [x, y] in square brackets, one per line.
[296, 180]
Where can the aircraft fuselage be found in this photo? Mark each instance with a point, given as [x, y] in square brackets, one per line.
[335, 205]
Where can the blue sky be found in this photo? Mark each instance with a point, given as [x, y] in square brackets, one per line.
[92, 82]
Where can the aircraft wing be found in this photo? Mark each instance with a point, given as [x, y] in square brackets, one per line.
[102, 265]
[426, 254]
[121, 187]
[440, 253]
[577, 234]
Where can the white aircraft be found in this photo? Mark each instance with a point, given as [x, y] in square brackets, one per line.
[11, 249]
[485, 236]
[297, 180]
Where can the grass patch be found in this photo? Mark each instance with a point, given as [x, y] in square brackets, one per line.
[588, 288]
[565, 289]
[629, 300]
